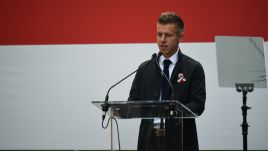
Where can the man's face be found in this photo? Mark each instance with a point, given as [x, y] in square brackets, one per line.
[168, 39]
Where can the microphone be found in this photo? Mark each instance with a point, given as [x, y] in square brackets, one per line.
[105, 106]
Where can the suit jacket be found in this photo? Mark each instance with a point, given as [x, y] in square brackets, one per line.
[147, 86]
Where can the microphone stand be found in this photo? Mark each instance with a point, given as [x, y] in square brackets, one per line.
[105, 106]
[244, 88]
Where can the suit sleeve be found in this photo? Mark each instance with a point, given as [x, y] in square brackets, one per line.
[197, 91]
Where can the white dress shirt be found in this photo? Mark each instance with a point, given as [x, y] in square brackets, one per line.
[173, 59]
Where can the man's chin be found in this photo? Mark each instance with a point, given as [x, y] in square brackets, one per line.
[163, 50]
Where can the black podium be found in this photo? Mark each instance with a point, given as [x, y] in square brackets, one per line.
[167, 109]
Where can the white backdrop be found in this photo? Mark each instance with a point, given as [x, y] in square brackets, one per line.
[46, 93]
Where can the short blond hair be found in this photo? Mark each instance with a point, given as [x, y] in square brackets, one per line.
[171, 18]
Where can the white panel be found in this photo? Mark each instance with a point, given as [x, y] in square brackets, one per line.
[241, 60]
[46, 90]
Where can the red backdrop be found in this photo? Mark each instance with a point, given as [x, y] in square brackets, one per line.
[126, 21]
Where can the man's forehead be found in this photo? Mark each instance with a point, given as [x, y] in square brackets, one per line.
[168, 24]
[167, 27]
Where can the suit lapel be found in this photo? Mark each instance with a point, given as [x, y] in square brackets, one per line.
[177, 67]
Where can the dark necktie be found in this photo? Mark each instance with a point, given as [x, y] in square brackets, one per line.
[165, 83]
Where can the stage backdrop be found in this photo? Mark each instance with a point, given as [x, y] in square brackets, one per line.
[58, 56]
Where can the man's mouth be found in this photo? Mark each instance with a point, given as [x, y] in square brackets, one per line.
[162, 46]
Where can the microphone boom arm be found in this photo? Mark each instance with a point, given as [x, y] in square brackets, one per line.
[105, 106]
[107, 95]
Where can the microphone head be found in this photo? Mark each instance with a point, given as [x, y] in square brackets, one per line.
[154, 56]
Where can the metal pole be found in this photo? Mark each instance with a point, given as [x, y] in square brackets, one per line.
[112, 142]
[244, 88]
[245, 123]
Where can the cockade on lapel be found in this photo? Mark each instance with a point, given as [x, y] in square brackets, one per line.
[181, 79]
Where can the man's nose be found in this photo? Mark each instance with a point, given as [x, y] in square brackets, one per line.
[163, 38]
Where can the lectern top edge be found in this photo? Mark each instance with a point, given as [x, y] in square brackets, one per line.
[147, 109]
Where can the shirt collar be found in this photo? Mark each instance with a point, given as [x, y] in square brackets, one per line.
[173, 58]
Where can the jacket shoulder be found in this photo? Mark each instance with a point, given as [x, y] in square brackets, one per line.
[190, 61]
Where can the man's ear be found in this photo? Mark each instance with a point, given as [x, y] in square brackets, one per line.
[180, 36]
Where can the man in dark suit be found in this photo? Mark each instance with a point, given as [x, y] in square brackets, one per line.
[188, 81]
